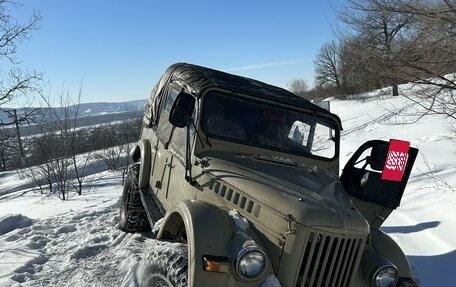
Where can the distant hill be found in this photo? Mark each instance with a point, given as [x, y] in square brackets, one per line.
[89, 114]
[93, 109]
[90, 109]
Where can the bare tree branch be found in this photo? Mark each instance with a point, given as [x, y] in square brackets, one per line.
[12, 32]
[328, 64]
[16, 83]
[375, 34]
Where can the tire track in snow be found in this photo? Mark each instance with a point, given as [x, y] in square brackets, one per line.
[83, 249]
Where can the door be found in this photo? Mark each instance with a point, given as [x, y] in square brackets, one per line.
[376, 176]
[164, 162]
[173, 147]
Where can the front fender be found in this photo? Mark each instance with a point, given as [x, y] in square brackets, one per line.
[388, 248]
[144, 170]
[210, 231]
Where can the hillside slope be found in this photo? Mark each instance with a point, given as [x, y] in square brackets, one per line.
[47, 242]
[86, 109]
[424, 223]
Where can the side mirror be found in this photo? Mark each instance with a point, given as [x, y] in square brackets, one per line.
[182, 109]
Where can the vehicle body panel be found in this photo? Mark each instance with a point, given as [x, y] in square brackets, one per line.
[299, 213]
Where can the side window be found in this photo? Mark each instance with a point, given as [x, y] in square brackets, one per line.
[314, 137]
[164, 127]
[172, 94]
[153, 106]
[149, 114]
[179, 138]
[323, 143]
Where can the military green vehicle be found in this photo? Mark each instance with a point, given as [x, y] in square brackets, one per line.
[243, 178]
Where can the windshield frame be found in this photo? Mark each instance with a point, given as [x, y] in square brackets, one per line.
[319, 118]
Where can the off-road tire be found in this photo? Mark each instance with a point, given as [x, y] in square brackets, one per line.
[133, 217]
[168, 266]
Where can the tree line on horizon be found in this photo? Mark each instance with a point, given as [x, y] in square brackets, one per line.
[51, 157]
[385, 43]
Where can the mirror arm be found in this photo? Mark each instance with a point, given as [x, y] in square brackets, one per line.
[170, 137]
[188, 162]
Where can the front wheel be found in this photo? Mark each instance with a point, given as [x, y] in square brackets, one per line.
[133, 217]
[168, 265]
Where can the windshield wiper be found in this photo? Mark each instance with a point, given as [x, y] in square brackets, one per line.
[276, 159]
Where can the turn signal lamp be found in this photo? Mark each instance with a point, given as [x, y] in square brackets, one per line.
[215, 264]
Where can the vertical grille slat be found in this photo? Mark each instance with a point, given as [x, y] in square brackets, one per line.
[357, 253]
[325, 261]
[339, 257]
[311, 242]
[351, 260]
[334, 250]
[329, 259]
[343, 267]
[317, 264]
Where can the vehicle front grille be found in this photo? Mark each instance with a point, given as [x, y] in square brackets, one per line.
[329, 260]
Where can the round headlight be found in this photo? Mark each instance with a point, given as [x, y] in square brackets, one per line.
[251, 263]
[386, 276]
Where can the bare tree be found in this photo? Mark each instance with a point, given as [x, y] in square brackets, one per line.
[57, 150]
[46, 152]
[299, 87]
[359, 71]
[8, 149]
[80, 164]
[68, 163]
[327, 65]
[379, 31]
[116, 157]
[16, 82]
[428, 54]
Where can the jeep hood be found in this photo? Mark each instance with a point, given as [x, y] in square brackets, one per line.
[313, 198]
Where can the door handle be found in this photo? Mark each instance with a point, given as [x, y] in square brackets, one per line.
[169, 163]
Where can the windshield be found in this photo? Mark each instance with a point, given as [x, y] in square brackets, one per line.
[257, 123]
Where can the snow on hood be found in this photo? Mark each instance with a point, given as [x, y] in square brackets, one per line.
[240, 221]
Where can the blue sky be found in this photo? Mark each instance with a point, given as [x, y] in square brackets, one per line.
[117, 50]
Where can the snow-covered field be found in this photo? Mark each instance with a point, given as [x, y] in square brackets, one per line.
[48, 242]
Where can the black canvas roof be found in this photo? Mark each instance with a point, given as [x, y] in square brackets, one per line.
[201, 78]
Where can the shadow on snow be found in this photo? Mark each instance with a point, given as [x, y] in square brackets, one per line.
[434, 270]
[411, 229]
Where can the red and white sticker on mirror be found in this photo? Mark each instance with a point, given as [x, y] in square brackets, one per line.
[396, 160]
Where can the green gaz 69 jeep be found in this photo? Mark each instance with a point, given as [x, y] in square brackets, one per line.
[244, 178]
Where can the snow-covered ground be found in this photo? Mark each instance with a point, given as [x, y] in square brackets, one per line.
[48, 242]
[424, 224]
